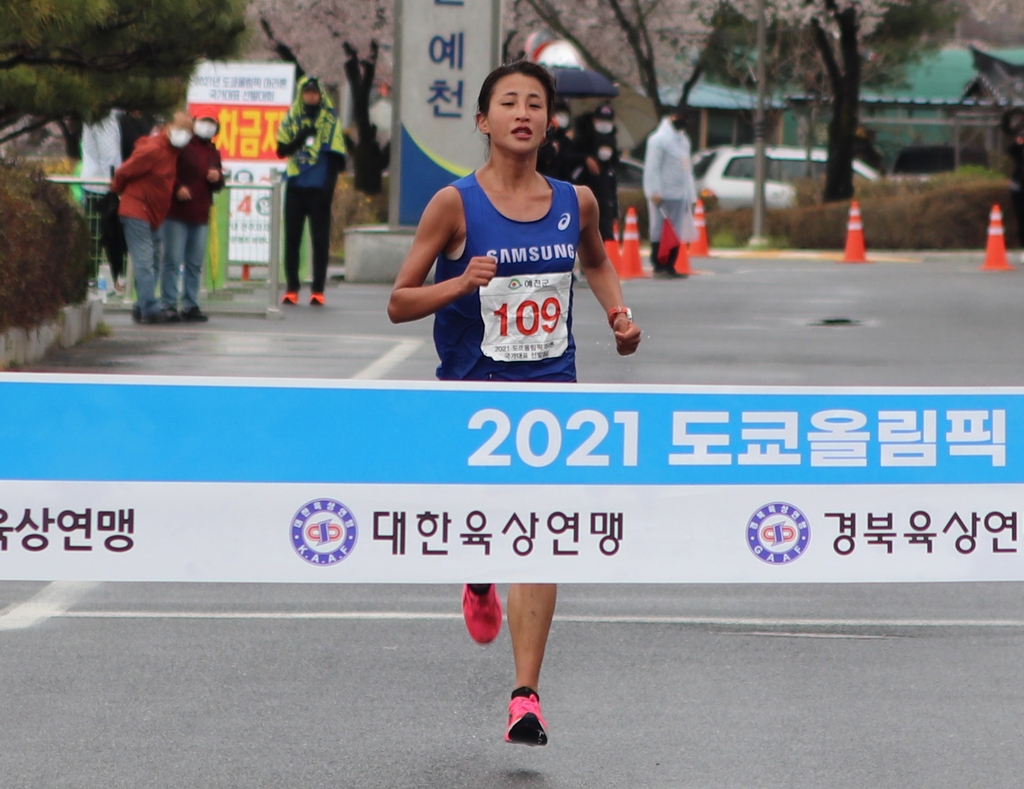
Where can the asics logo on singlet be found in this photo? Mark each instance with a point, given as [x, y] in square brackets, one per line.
[533, 254]
[563, 221]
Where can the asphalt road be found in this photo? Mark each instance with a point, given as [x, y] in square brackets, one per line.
[150, 685]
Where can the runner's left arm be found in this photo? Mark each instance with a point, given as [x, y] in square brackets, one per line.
[600, 273]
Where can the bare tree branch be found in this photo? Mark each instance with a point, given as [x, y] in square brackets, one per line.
[552, 19]
[38, 124]
[285, 52]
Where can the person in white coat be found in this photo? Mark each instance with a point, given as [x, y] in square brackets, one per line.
[669, 186]
[101, 155]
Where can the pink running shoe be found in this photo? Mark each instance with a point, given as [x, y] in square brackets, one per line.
[482, 613]
[526, 726]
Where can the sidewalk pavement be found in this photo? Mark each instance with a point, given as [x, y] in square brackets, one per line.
[919, 319]
[349, 337]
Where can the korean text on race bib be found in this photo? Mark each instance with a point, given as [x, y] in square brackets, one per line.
[526, 317]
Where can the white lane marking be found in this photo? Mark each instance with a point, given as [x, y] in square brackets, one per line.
[425, 616]
[402, 616]
[53, 600]
[341, 338]
[784, 634]
[769, 622]
[386, 363]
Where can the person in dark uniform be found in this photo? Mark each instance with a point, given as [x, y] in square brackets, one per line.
[134, 124]
[595, 140]
[310, 137]
[1013, 126]
[558, 157]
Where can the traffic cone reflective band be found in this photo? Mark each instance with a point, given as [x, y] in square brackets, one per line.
[631, 265]
[700, 247]
[855, 252]
[611, 246]
[995, 252]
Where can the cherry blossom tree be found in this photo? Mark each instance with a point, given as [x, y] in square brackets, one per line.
[856, 40]
[649, 45]
[645, 44]
[339, 41]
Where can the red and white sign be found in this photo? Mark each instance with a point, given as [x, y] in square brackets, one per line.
[249, 101]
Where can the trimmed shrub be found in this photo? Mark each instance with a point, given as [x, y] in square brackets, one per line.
[44, 248]
[351, 207]
[946, 213]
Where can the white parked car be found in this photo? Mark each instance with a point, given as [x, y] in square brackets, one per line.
[727, 173]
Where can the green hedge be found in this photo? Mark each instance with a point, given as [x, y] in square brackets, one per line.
[949, 212]
[951, 215]
[633, 198]
[44, 248]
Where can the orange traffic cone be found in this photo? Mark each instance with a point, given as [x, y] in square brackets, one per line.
[700, 247]
[682, 264]
[995, 252]
[631, 265]
[855, 237]
[611, 246]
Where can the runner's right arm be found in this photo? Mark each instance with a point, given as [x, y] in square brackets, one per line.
[441, 228]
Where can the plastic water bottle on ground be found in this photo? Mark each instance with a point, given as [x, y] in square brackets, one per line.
[103, 282]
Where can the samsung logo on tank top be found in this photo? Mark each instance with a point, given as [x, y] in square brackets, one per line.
[533, 254]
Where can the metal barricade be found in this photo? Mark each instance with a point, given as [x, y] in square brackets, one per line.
[276, 209]
[89, 209]
[276, 231]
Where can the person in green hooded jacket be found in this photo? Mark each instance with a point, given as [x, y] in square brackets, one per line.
[310, 137]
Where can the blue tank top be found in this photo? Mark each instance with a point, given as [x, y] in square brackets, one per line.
[511, 330]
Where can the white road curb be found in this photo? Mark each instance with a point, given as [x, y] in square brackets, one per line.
[25, 346]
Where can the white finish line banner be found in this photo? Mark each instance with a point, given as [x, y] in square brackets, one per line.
[247, 480]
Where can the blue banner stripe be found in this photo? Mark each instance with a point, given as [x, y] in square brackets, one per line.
[76, 430]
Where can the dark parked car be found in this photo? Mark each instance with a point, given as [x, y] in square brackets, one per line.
[931, 159]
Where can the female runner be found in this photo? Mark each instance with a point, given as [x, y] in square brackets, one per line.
[488, 233]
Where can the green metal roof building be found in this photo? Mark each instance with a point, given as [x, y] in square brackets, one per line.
[955, 97]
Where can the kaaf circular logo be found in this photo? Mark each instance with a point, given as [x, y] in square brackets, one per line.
[778, 533]
[323, 532]
[563, 221]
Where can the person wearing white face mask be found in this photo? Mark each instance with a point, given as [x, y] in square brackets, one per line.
[186, 229]
[146, 183]
[669, 186]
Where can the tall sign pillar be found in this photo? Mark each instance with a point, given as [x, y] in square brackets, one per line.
[443, 51]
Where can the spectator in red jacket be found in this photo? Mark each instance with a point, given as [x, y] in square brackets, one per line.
[146, 183]
[185, 231]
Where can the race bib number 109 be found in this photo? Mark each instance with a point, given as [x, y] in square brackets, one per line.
[525, 318]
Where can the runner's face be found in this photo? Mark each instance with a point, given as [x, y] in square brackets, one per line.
[518, 114]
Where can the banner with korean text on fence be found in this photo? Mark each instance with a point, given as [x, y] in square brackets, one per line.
[249, 101]
[439, 482]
